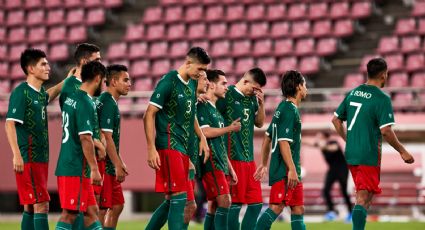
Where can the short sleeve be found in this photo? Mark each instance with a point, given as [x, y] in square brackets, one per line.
[85, 118]
[285, 127]
[341, 111]
[106, 115]
[269, 130]
[385, 113]
[203, 116]
[161, 93]
[17, 105]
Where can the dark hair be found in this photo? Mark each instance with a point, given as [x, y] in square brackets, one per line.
[376, 66]
[290, 81]
[92, 69]
[258, 75]
[30, 57]
[213, 74]
[113, 71]
[199, 54]
[85, 50]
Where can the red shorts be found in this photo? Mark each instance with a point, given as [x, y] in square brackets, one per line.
[366, 177]
[247, 190]
[32, 183]
[98, 188]
[172, 176]
[111, 192]
[75, 193]
[289, 197]
[215, 184]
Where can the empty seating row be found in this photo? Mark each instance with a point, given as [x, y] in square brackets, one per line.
[397, 62]
[405, 44]
[32, 4]
[398, 79]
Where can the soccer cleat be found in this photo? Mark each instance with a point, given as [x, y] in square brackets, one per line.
[330, 216]
[349, 218]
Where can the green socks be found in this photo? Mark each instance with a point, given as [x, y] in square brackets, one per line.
[297, 222]
[221, 217]
[63, 226]
[159, 217]
[175, 215]
[233, 218]
[27, 221]
[266, 220]
[79, 222]
[40, 221]
[359, 217]
[209, 222]
[95, 226]
[251, 216]
[185, 226]
[108, 228]
[191, 174]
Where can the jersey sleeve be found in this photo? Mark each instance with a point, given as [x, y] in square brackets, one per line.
[161, 93]
[269, 130]
[106, 115]
[285, 126]
[203, 116]
[385, 114]
[341, 111]
[85, 118]
[17, 105]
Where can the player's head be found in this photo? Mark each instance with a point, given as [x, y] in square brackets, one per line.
[118, 79]
[197, 60]
[377, 70]
[93, 73]
[253, 80]
[202, 83]
[293, 85]
[86, 52]
[218, 82]
[34, 62]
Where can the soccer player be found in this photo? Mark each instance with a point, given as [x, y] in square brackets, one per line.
[283, 138]
[76, 168]
[111, 198]
[369, 115]
[245, 101]
[214, 171]
[27, 133]
[171, 114]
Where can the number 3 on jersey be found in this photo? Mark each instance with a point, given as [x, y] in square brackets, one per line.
[65, 124]
[358, 107]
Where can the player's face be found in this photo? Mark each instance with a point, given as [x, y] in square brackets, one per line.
[98, 90]
[384, 78]
[251, 86]
[123, 83]
[221, 87]
[95, 57]
[202, 83]
[40, 70]
[303, 90]
[195, 69]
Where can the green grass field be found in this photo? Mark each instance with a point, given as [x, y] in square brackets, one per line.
[138, 225]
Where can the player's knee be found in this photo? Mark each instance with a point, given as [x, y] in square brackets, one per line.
[224, 201]
[297, 210]
[191, 206]
[277, 208]
[117, 209]
[68, 216]
[41, 207]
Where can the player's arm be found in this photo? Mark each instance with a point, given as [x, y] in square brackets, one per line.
[261, 112]
[18, 162]
[101, 151]
[265, 153]
[111, 150]
[55, 90]
[203, 145]
[211, 132]
[149, 125]
[339, 127]
[389, 135]
[285, 151]
[88, 150]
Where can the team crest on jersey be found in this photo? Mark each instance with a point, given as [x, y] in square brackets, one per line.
[287, 130]
[390, 115]
[237, 103]
[202, 118]
[158, 95]
[14, 110]
[35, 102]
[88, 122]
[108, 121]
[181, 95]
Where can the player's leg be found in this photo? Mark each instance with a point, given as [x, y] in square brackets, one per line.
[269, 216]
[237, 192]
[359, 213]
[27, 221]
[222, 211]
[114, 212]
[91, 220]
[102, 215]
[297, 217]
[40, 215]
[66, 219]
[254, 198]
[98, 192]
[69, 189]
[210, 216]
[39, 175]
[159, 217]
[190, 208]
[343, 186]
[329, 181]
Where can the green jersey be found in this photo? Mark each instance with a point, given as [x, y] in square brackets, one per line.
[193, 150]
[208, 116]
[69, 86]
[366, 109]
[285, 126]
[235, 105]
[109, 117]
[27, 107]
[174, 122]
[78, 118]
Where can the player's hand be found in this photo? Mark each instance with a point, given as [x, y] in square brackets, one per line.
[203, 98]
[71, 71]
[203, 148]
[121, 172]
[407, 157]
[18, 163]
[192, 166]
[260, 95]
[292, 179]
[95, 177]
[153, 159]
[260, 173]
[101, 151]
[236, 125]
[233, 177]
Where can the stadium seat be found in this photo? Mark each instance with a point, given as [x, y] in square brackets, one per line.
[402, 101]
[279, 30]
[117, 50]
[415, 62]
[77, 34]
[176, 31]
[152, 15]
[4, 69]
[243, 65]
[225, 64]
[55, 17]
[297, 11]
[57, 34]
[189, 2]
[16, 72]
[4, 86]
[201, 43]
[235, 12]
[3, 52]
[322, 28]
[173, 14]
[259, 30]
[410, 44]
[220, 48]
[95, 17]
[326, 46]
[276, 12]
[134, 32]
[238, 30]
[35, 18]
[41, 46]
[418, 80]
[361, 9]
[283, 47]
[138, 50]
[15, 18]
[12, 4]
[418, 9]
[304, 47]
[144, 84]
[395, 62]
[364, 62]
[353, 80]
[197, 31]
[318, 10]
[388, 44]
[2, 17]
[113, 3]
[169, 2]
[421, 26]
[194, 14]
[16, 35]
[75, 16]
[405, 26]
[37, 34]
[93, 3]
[267, 64]
[160, 67]
[158, 49]
[343, 28]
[273, 82]
[263, 47]
[214, 13]
[72, 3]
[140, 69]
[300, 29]
[155, 32]
[339, 10]
[53, 3]
[178, 49]
[398, 80]
[255, 12]
[58, 52]
[217, 30]
[2, 34]
[309, 65]
[241, 48]
[287, 63]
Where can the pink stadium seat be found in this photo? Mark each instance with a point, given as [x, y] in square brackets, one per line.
[318, 10]
[35, 17]
[30, 4]
[155, 32]
[287, 63]
[2, 15]
[243, 65]
[322, 28]
[3, 52]
[140, 68]
[55, 17]
[225, 64]
[169, 2]
[158, 49]
[179, 49]
[405, 26]
[17, 35]
[343, 28]
[235, 12]
[418, 80]
[300, 29]
[197, 31]
[410, 44]
[194, 14]
[339, 10]
[15, 18]
[304, 47]
[267, 64]
[117, 50]
[209, 2]
[75, 16]
[144, 84]
[214, 13]
[57, 34]
[259, 30]
[353, 80]
[16, 72]
[255, 12]
[5, 86]
[12, 4]
[241, 47]
[279, 29]
[138, 50]
[72, 3]
[421, 26]
[415, 62]
[217, 30]
[173, 14]
[113, 3]
[201, 43]
[309, 65]
[326, 46]
[152, 15]
[220, 48]
[58, 52]
[77, 34]
[361, 9]
[238, 30]
[419, 9]
[4, 69]
[395, 62]
[41, 46]
[365, 60]
[176, 31]
[388, 44]
[229, 2]
[2, 34]
[283, 47]
[37, 34]
[297, 11]
[398, 80]
[95, 17]
[263, 47]
[160, 67]
[53, 3]
[273, 81]
[189, 2]
[276, 12]
[93, 3]
[402, 101]
[134, 32]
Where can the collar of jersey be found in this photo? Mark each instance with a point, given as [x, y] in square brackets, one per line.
[181, 79]
[211, 104]
[32, 87]
[237, 90]
[292, 103]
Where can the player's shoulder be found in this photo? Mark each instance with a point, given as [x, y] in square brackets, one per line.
[21, 87]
